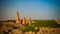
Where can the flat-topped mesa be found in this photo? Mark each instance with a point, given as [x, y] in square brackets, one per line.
[17, 18]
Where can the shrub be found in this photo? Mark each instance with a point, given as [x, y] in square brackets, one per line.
[46, 23]
[29, 28]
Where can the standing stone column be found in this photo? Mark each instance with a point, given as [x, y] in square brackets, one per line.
[24, 21]
[17, 18]
[29, 21]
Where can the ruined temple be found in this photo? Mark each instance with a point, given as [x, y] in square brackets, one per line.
[23, 21]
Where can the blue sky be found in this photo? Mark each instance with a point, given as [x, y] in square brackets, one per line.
[35, 9]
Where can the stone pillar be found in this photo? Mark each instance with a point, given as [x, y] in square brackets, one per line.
[29, 21]
[24, 21]
[17, 18]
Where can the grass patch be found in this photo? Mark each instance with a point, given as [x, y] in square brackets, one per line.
[46, 23]
[29, 28]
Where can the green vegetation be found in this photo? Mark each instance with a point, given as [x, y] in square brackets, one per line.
[41, 23]
[1, 24]
[10, 25]
[46, 23]
[29, 28]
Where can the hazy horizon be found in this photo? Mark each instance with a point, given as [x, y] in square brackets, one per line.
[35, 9]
